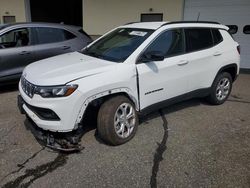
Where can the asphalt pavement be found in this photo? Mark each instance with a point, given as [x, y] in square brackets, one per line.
[189, 144]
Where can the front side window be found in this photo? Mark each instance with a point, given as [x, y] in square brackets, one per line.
[119, 44]
[169, 43]
[16, 38]
[51, 35]
[198, 39]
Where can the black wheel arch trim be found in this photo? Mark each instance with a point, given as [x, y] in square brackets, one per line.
[234, 66]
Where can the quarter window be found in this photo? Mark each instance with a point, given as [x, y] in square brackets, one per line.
[246, 29]
[198, 39]
[169, 43]
[217, 36]
[68, 35]
[51, 35]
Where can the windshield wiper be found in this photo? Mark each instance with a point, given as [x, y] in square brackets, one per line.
[93, 54]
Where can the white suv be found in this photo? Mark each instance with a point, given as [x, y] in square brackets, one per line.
[132, 69]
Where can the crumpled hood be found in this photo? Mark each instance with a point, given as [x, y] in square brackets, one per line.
[64, 68]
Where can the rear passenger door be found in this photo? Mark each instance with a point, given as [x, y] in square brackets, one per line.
[203, 57]
[52, 41]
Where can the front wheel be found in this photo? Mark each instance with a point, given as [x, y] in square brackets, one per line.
[220, 89]
[117, 120]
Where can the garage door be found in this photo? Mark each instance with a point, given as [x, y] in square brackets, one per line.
[227, 12]
[57, 11]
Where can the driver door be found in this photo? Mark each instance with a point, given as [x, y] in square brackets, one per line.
[160, 80]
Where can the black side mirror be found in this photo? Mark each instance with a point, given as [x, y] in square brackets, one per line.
[152, 56]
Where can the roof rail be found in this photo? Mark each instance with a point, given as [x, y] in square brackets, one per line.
[130, 23]
[178, 22]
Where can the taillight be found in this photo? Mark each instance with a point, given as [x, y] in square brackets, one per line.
[238, 49]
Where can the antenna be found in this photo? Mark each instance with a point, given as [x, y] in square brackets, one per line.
[198, 16]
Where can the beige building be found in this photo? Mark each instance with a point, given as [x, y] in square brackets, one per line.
[12, 9]
[97, 16]
[100, 16]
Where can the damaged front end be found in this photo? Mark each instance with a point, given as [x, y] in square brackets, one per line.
[67, 142]
[61, 141]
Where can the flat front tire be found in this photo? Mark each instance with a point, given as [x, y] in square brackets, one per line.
[117, 120]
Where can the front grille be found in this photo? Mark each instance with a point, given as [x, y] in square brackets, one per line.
[28, 87]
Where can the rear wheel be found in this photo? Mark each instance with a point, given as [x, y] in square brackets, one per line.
[117, 120]
[220, 89]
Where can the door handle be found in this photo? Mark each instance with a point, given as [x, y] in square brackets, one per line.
[183, 62]
[217, 53]
[65, 47]
[24, 53]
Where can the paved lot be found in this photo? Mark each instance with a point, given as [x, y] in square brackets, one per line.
[191, 144]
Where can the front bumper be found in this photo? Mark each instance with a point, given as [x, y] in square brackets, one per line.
[67, 142]
[66, 108]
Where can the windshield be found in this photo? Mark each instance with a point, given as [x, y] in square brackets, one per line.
[119, 44]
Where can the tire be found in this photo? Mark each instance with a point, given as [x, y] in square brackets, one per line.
[219, 93]
[116, 131]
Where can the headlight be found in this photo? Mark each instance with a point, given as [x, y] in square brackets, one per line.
[57, 91]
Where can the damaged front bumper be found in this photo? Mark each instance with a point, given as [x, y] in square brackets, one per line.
[67, 142]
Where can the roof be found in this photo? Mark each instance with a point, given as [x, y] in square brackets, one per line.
[145, 25]
[38, 24]
[156, 25]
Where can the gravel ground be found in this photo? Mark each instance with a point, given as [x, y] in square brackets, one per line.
[190, 144]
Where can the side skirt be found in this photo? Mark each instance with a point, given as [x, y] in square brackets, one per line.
[193, 94]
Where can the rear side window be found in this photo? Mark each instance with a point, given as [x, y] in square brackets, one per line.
[51, 35]
[169, 43]
[68, 35]
[217, 36]
[198, 39]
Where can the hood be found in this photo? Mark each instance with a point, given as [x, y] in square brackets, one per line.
[64, 68]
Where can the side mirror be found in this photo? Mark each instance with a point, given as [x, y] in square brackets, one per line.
[152, 56]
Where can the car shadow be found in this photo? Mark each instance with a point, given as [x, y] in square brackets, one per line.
[172, 108]
[144, 119]
[89, 122]
[8, 88]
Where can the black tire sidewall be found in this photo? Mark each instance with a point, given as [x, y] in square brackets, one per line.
[105, 125]
[213, 97]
